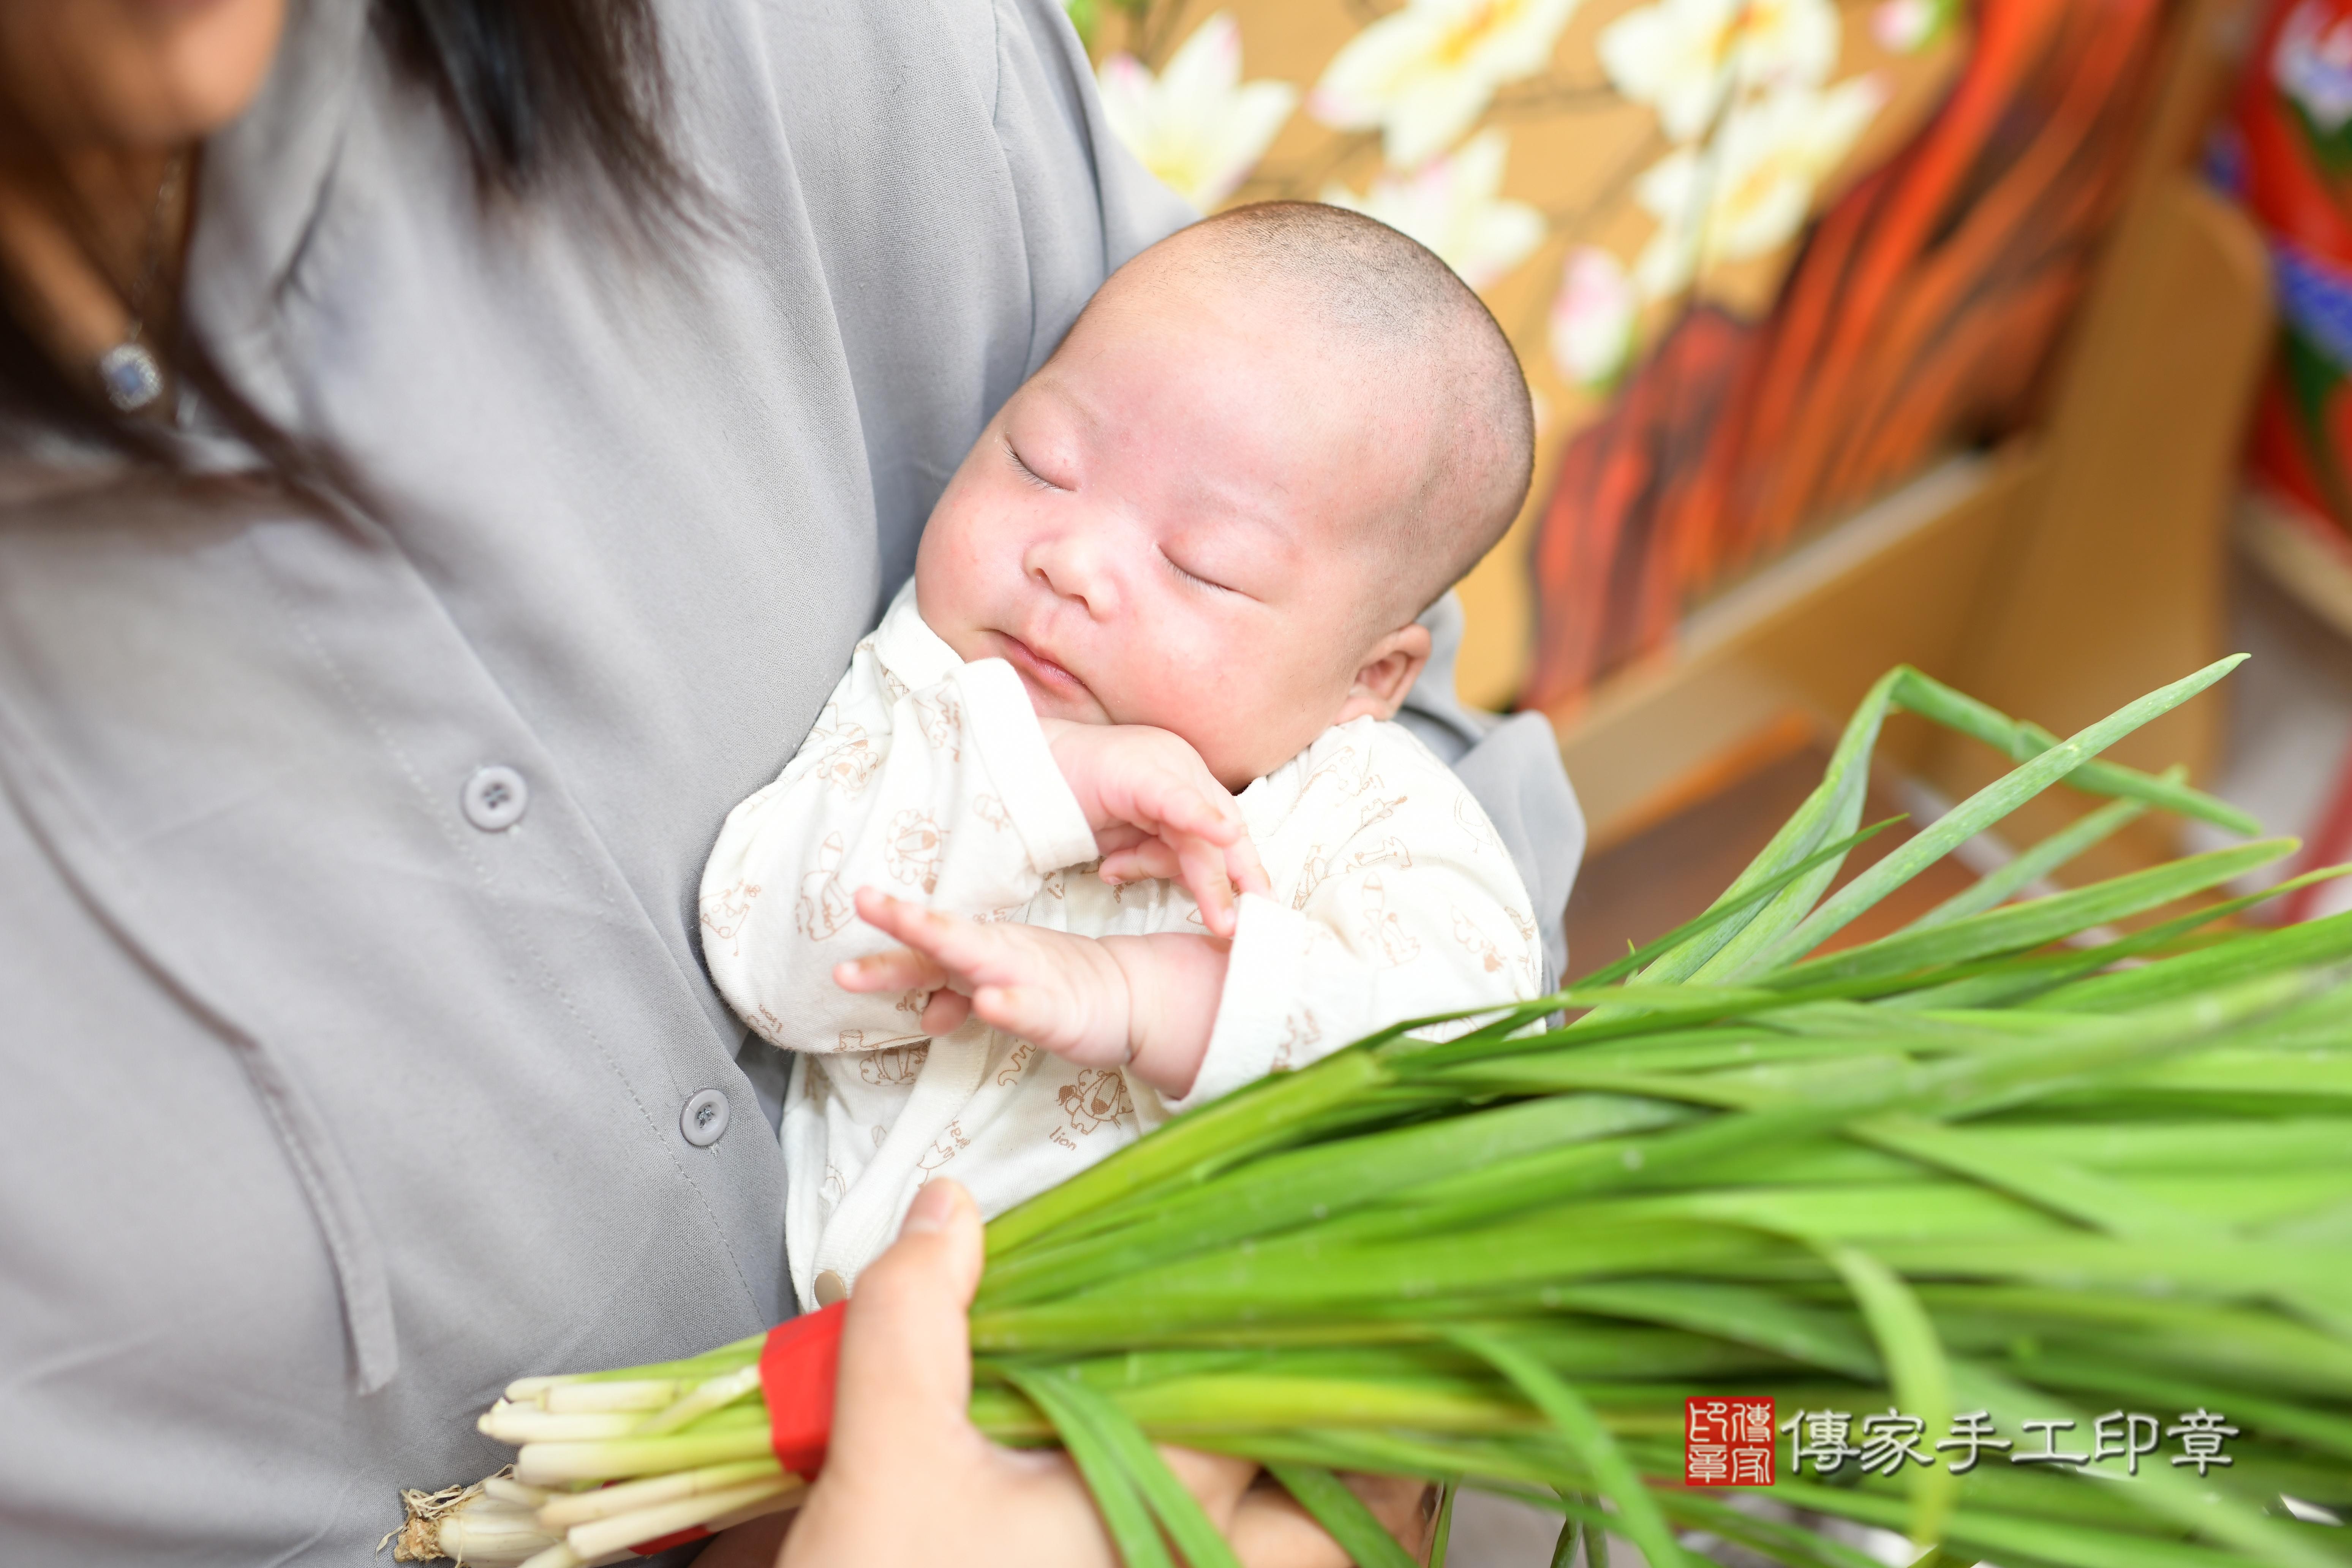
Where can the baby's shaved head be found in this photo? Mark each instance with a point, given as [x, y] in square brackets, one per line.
[1429, 361]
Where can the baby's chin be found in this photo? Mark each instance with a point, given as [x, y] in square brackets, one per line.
[1055, 700]
[1053, 705]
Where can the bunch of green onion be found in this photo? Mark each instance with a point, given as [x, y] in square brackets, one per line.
[2005, 1159]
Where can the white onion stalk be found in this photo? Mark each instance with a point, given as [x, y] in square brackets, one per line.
[583, 1398]
[713, 1394]
[493, 1523]
[521, 1424]
[715, 1511]
[501, 1523]
[505, 1488]
[564, 1510]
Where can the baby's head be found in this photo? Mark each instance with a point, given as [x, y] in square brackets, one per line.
[1269, 443]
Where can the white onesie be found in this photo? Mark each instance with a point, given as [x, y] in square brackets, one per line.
[929, 778]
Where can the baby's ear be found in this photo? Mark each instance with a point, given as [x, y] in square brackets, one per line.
[1388, 672]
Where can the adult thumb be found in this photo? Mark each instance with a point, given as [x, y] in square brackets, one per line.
[906, 1348]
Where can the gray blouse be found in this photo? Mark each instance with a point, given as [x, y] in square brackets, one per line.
[357, 1051]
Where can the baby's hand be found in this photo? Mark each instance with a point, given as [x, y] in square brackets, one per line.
[1157, 811]
[1065, 993]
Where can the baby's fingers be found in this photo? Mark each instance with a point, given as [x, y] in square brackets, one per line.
[1120, 836]
[1183, 809]
[964, 951]
[900, 969]
[926, 931]
[945, 1012]
[1244, 869]
[1026, 1012]
[1150, 860]
[1205, 873]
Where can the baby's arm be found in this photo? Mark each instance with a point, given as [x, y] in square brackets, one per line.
[1147, 1002]
[948, 793]
[1419, 911]
[1406, 904]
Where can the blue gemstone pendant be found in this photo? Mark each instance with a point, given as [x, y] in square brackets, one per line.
[132, 377]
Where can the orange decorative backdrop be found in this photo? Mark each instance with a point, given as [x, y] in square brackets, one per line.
[1762, 258]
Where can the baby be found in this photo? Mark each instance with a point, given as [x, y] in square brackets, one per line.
[1005, 902]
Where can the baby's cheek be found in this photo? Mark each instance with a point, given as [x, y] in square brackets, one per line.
[1173, 682]
[1233, 695]
[950, 593]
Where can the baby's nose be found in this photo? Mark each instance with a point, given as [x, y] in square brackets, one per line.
[1076, 566]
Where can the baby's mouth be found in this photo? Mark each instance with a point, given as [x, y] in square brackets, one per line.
[1039, 670]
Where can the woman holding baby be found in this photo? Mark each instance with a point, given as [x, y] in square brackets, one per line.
[449, 450]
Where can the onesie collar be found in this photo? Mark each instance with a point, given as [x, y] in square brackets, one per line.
[910, 649]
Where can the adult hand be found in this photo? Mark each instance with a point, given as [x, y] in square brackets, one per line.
[910, 1483]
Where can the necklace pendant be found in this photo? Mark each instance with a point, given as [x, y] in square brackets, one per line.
[131, 377]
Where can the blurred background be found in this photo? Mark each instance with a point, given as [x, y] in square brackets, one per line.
[2005, 338]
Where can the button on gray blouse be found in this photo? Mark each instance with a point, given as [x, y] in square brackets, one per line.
[355, 1053]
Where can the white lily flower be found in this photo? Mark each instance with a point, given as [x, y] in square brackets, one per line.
[1454, 206]
[1423, 74]
[1592, 318]
[1196, 125]
[1750, 191]
[1683, 57]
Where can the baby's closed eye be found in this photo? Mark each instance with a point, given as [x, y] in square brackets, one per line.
[1195, 577]
[1028, 473]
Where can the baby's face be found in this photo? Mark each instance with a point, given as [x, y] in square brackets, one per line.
[1156, 529]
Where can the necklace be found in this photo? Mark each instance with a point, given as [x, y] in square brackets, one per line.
[128, 371]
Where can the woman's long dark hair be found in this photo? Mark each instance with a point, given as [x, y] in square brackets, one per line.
[538, 88]
[547, 86]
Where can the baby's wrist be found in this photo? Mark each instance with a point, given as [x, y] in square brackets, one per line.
[1175, 984]
[1065, 743]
